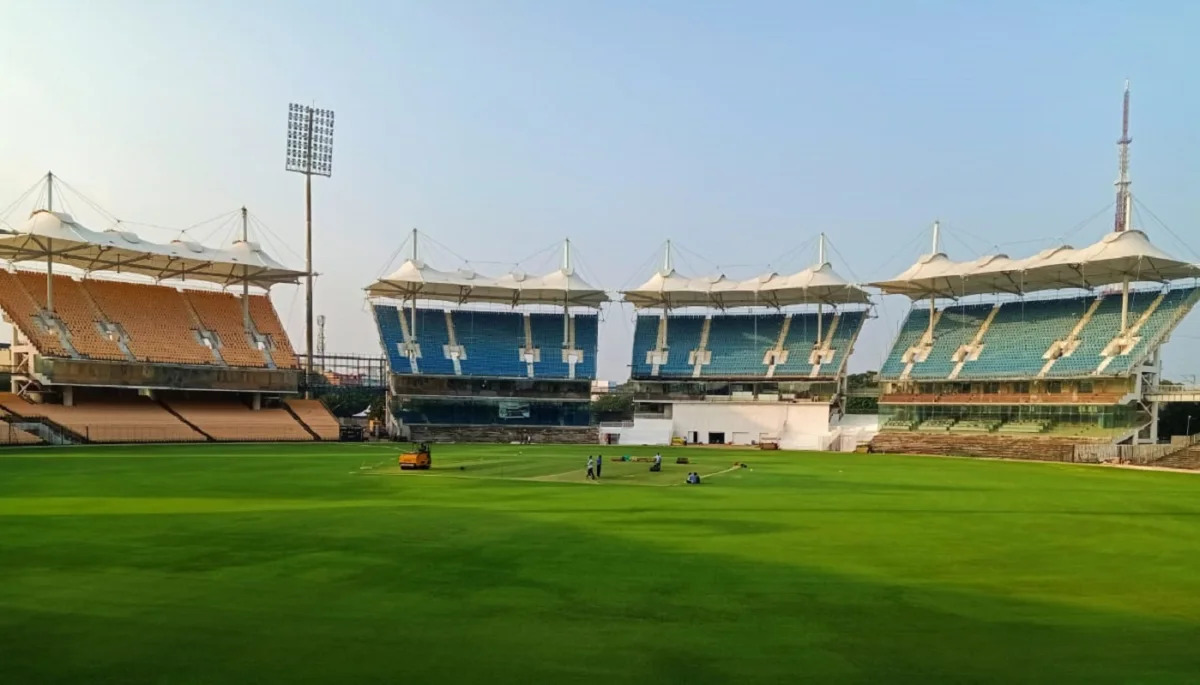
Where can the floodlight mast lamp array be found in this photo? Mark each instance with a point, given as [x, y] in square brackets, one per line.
[309, 152]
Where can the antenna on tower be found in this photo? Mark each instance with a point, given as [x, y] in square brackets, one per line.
[1124, 199]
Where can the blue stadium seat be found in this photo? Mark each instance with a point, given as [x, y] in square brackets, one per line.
[914, 326]
[387, 318]
[738, 344]
[493, 341]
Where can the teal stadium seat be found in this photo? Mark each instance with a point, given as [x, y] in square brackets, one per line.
[957, 326]
[739, 343]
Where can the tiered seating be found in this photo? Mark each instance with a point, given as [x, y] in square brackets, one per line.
[266, 320]
[1174, 307]
[587, 338]
[849, 326]
[801, 337]
[683, 336]
[391, 336]
[645, 335]
[1105, 325]
[221, 313]
[11, 435]
[130, 419]
[547, 333]
[910, 334]
[432, 336]
[161, 324]
[1023, 427]
[1020, 335]
[1101, 328]
[74, 309]
[1047, 398]
[898, 424]
[157, 321]
[975, 426]
[956, 327]
[316, 416]
[493, 341]
[22, 309]
[940, 425]
[738, 344]
[231, 420]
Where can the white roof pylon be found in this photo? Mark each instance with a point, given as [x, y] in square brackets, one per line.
[59, 237]
[417, 280]
[814, 285]
[1115, 258]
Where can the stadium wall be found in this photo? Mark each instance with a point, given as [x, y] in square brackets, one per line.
[801, 426]
[992, 446]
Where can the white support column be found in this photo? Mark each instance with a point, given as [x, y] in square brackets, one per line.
[50, 275]
[931, 312]
[1124, 306]
[256, 401]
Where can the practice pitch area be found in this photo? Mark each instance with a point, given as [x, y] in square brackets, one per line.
[322, 563]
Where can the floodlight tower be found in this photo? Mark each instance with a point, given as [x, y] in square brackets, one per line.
[309, 152]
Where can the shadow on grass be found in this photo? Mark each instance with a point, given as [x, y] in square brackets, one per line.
[442, 594]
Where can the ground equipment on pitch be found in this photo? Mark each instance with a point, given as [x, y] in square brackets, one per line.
[416, 458]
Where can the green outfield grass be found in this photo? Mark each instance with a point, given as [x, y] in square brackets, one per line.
[325, 564]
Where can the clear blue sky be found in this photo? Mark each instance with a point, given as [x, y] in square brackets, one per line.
[738, 129]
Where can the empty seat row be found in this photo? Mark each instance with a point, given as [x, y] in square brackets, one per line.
[739, 345]
[486, 343]
[1022, 332]
[124, 321]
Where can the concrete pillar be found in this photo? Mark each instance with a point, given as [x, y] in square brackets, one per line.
[68, 396]
[256, 401]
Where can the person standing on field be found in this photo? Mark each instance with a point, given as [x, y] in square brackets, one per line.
[599, 463]
[591, 474]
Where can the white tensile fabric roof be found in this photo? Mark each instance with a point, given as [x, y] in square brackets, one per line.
[819, 285]
[417, 280]
[58, 236]
[1115, 258]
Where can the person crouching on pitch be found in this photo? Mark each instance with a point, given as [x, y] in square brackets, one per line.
[591, 468]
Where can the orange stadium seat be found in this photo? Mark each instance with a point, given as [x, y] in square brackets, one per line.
[22, 309]
[127, 419]
[158, 321]
[75, 309]
[161, 324]
[222, 314]
[232, 420]
[316, 416]
[267, 323]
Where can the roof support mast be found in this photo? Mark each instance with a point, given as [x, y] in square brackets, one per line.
[1124, 211]
[414, 297]
[820, 307]
[50, 246]
[937, 234]
[566, 265]
[245, 277]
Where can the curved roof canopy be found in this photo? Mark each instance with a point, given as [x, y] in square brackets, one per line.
[58, 237]
[417, 280]
[1115, 258]
[819, 285]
